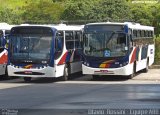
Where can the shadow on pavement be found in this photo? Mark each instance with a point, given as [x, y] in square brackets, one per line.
[110, 78]
[74, 77]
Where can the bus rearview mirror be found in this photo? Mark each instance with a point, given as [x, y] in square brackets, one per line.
[87, 48]
[125, 48]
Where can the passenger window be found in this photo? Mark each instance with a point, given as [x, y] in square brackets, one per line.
[0, 42]
[69, 40]
[142, 33]
[151, 33]
[59, 43]
[138, 33]
[147, 33]
[1, 37]
[134, 33]
[78, 40]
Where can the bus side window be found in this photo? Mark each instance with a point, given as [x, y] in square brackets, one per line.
[69, 40]
[78, 40]
[0, 41]
[152, 34]
[6, 41]
[1, 37]
[58, 44]
[78, 45]
[1, 44]
[143, 33]
[147, 33]
[138, 34]
[130, 38]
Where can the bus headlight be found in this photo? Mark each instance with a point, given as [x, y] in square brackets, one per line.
[125, 63]
[87, 64]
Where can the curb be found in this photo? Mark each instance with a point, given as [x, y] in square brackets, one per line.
[155, 67]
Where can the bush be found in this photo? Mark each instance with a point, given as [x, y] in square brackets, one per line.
[157, 50]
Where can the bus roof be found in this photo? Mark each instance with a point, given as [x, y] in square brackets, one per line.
[5, 26]
[56, 26]
[130, 25]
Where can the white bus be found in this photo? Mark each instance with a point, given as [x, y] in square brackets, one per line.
[117, 48]
[45, 51]
[4, 30]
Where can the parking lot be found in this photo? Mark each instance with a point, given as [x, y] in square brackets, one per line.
[81, 94]
[152, 77]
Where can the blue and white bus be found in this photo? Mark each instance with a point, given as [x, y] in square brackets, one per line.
[45, 51]
[117, 48]
[4, 30]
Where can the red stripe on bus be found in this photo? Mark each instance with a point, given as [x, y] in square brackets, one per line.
[133, 58]
[3, 59]
[63, 59]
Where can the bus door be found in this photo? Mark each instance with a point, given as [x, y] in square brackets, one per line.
[3, 56]
[73, 46]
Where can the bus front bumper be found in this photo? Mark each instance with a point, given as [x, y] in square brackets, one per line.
[42, 72]
[125, 70]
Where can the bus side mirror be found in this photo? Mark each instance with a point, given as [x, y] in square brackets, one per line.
[87, 48]
[59, 44]
[126, 48]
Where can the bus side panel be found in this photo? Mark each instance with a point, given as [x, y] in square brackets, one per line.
[75, 62]
[2, 69]
[151, 53]
[3, 61]
[142, 58]
[76, 67]
[59, 70]
[141, 64]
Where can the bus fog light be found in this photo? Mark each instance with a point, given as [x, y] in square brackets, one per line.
[116, 62]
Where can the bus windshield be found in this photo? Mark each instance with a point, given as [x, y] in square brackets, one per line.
[105, 44]
[30, 47]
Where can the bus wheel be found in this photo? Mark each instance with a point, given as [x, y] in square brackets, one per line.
[147, 67]
[65, 75]
[27, 79]
[133, 71]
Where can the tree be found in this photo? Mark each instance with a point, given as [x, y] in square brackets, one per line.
[141, 13]
[78, 10]
[112, 10]
[97, 10]
[44, 11]
[9, 16]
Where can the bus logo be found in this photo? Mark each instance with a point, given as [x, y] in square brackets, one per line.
[107, 53]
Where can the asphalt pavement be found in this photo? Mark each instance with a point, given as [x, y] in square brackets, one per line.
[82, 95]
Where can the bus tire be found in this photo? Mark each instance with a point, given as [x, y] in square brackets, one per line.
[65, 74]
[27, 79]
[147, 66]
[133, 71]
